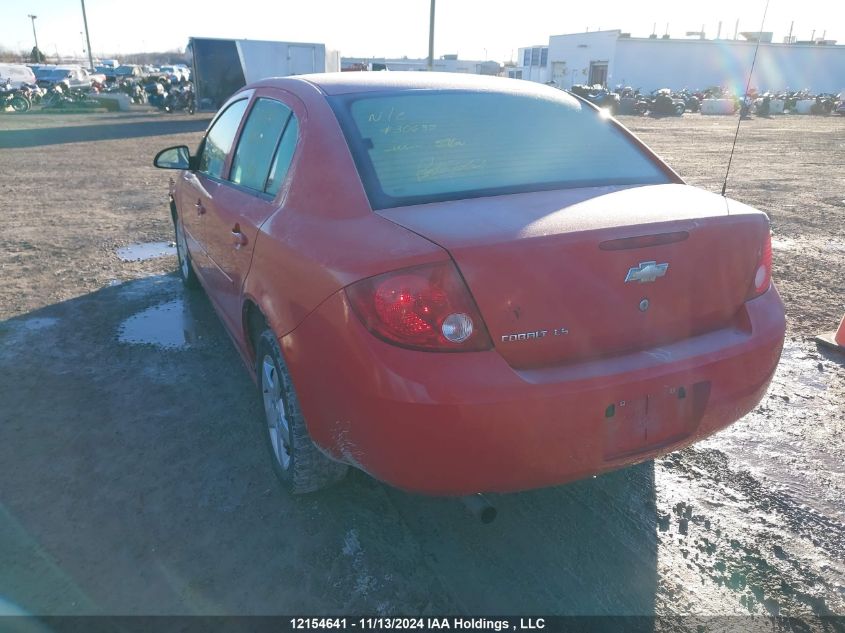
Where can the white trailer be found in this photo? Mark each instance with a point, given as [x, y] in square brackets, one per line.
[221, 66]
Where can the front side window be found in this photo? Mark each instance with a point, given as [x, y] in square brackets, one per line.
[220, 138]
[258, 143]
[423, 146]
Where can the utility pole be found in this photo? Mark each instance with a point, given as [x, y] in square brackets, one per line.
[34, 36]
[87, 39]
[431, 39]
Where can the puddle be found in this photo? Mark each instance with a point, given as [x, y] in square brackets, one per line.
[147, 250]
[168, 325]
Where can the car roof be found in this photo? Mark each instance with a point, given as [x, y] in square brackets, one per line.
[381, 81]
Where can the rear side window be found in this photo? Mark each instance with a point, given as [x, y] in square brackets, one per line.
[425, 146]
[257, 145]
[220, 138]
[283, 158]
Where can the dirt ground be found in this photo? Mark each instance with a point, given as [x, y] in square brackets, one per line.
[133, 479]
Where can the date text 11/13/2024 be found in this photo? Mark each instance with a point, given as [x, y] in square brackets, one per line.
[419, 624]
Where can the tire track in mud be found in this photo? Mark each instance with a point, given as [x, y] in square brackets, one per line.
[779, 556]
[822, 531]
[588, 548]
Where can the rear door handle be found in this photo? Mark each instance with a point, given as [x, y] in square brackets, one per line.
[199, 207]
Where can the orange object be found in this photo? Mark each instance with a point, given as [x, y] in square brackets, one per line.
[834, 340]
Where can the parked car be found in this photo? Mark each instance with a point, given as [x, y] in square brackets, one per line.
[106, 71]
[175, 73]
[462, 284]
[17, 75]
[128, 71]
[71, 77]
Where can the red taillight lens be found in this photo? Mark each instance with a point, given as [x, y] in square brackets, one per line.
[763, 271]
[425, 307]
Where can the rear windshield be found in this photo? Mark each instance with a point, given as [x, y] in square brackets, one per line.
[426, 146]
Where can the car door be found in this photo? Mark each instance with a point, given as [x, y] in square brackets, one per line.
[199, 188]
[258, 168]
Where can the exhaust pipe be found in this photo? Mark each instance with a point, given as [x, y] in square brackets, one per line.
[480, 507]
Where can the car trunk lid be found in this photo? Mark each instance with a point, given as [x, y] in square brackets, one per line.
[563, 276]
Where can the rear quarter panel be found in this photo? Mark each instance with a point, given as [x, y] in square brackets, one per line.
[324, 234]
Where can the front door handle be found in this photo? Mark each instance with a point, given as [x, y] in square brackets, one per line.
[200, 209]
[238, 238]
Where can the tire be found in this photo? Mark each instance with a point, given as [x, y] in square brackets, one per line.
[186, 268]
[19, 104]
[679, 109]
[297, 461]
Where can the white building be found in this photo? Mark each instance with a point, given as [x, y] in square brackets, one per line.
[612, 58]
[446, 64]
[532, 64]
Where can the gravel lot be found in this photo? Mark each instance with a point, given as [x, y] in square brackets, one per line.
[133, 479]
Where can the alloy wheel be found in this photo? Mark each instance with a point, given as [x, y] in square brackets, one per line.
[274, 411]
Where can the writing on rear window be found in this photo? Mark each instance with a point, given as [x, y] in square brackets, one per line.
[421, 146]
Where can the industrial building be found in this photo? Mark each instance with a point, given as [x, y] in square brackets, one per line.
[614, 58]
[446, 63]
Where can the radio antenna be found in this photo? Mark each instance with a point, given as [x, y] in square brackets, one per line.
[745, 96]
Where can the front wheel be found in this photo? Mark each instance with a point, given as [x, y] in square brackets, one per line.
[19, 104]
[186, 269]
[297, 461]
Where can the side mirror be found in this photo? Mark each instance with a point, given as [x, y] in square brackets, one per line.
[178, 157]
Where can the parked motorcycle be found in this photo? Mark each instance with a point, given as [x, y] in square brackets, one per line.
[10, 97]
[32, 92]
[59, 97]
[691, 102]
[662, 103]
[763, 105]
[180, 99]
[134, 91]
[597, 95]
[155, 94]
[824, 104]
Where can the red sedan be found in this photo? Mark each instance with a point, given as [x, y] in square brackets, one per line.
[463, 284]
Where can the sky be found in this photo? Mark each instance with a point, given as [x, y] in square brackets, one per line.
[474, 29]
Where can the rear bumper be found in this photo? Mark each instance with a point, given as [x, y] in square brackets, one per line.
[460, 423]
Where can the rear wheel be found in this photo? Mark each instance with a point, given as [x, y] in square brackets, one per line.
[297, 461]
[186, 269]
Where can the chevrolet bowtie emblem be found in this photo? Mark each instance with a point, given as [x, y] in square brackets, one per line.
[646, 272]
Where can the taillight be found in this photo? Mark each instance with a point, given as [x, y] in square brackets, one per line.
[763, 271]
[425, 307]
